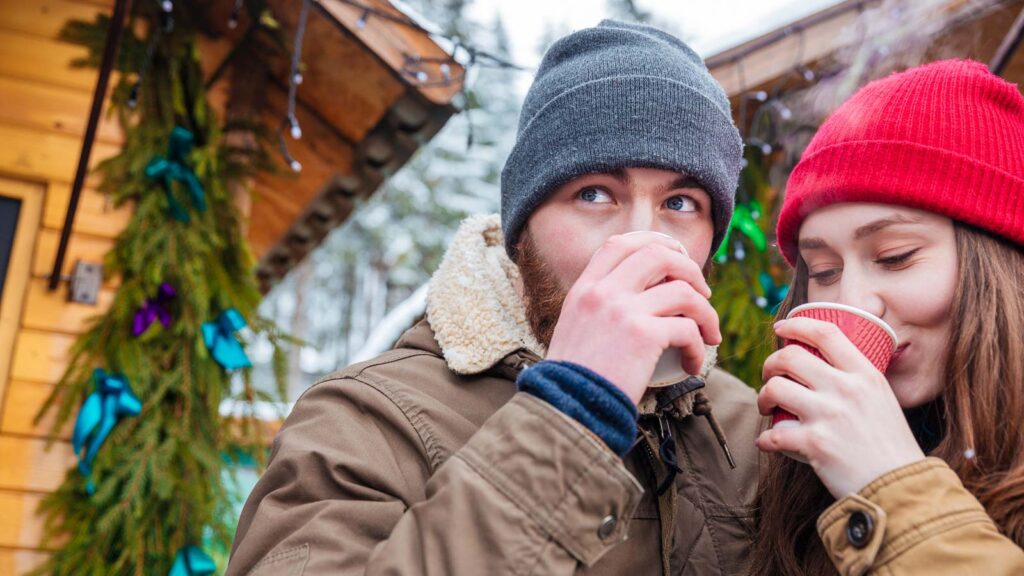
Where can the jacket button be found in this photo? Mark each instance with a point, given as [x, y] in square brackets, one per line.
[858, 529]
[607, 527]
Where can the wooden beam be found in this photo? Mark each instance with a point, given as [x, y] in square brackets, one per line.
[45, 156]
[20, 561]
[55, 109]
[392, 42]
[40, 356]
[24, 399]
[21, 528]
[29, 466]
[96, 216]
[45, 61]
[279, 198]
[50, 310]
[343, 80]
[82, 247]
[45, 18]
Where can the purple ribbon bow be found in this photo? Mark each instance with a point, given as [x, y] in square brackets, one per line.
[153, 309]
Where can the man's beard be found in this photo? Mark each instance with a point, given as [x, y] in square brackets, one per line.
[542, 292]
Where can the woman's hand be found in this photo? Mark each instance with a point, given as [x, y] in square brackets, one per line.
[852, 429]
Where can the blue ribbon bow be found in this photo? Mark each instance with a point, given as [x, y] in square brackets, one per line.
[174, 167]
[220, 339]
[192, 561]
[101, 411]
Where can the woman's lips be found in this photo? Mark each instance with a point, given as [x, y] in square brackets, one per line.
[899, 353]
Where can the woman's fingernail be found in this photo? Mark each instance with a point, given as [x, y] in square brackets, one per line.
[778, 324]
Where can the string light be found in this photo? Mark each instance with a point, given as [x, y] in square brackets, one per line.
[294, 80]
[166, 15]
[236, 13]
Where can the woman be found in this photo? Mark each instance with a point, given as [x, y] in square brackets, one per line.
[908, 203]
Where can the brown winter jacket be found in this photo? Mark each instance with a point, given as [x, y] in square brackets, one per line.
[426, 460]
[918, 520]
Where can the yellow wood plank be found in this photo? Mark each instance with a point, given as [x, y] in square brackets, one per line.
[96, 214]
[80, 247]
[17, 562]
[45, 155]
[21, 527]
[45, 61]
[50, 311]
[29, 466]
[54, 109]
[44, 18]
[40, 356]
[19, 267]
[24, 399]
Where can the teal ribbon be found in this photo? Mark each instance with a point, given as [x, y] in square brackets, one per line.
[174, 167]
[774, 293]
[112, 400]
[220, 340]
[192, 561]
[744, 219]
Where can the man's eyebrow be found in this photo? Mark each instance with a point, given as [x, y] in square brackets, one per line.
[684, 182]
[869, 229]
[621, 175]
[681, 182]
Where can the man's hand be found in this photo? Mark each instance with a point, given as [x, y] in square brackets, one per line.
[639, 295]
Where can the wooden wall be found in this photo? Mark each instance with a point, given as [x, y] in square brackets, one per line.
[44, 106]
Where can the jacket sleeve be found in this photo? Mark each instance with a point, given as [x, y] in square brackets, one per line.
[349, 490]
[917, 520]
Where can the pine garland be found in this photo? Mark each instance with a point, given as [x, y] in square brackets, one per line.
[158, 476]
[747, 327]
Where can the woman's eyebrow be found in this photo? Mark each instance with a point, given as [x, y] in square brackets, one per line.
[869, 229]
[811, 244]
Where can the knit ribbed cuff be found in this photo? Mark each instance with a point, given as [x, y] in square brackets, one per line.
[585, 396]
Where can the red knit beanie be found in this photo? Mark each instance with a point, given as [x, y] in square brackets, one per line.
[946, 137]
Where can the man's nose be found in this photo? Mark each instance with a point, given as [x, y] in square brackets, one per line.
[643, 218]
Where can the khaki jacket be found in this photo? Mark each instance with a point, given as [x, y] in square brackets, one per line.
[918, 520]
[426, 460]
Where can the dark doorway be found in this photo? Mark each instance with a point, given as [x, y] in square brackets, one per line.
[9, 210]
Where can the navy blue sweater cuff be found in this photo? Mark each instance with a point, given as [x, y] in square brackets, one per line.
[585, 396]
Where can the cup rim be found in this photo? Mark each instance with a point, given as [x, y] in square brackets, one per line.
[852, 310]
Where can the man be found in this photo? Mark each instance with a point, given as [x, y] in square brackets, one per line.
[461, 451]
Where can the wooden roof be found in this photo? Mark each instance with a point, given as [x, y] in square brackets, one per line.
[362, 110]
[975, 32]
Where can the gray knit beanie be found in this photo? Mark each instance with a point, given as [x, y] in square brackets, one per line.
[618, 96]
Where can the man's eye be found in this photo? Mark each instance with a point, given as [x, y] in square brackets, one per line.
[681, 204]
[594, 195]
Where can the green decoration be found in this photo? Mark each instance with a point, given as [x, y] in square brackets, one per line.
[161, 483]
[744, 219]
[744, 308]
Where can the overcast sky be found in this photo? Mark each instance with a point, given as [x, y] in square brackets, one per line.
[710, 26]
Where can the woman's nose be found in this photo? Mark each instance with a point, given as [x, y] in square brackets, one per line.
[860, 292]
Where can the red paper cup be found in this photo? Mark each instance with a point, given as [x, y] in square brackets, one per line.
[869, 333]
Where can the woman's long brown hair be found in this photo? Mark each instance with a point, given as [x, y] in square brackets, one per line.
[982, 410]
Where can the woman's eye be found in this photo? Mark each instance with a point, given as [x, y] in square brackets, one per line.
[681, 204]
[594, 196]
[825, 277]
[897, 259]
